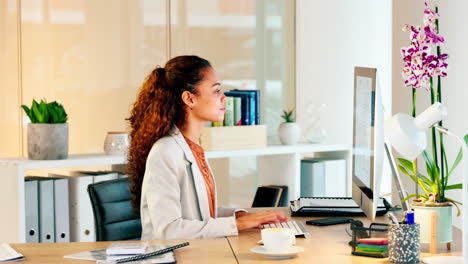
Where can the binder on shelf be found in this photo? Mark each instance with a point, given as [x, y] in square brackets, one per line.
[31, 203]
[46, 211]
[270, 196]
[323, 177]
[62, 210]
[81, 213]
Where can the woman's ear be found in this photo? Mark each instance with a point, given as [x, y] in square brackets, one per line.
[187, 98]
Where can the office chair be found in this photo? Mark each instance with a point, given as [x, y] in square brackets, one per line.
[114, 217]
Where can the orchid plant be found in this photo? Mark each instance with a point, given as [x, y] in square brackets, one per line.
[421, 65]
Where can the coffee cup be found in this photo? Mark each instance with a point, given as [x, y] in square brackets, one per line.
[278, 239]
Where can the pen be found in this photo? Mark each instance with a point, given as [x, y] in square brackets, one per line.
[393, 218]
[410, 217]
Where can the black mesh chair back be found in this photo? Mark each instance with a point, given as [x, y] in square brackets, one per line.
[114, 216]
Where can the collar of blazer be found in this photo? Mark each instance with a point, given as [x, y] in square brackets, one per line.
[198, 179]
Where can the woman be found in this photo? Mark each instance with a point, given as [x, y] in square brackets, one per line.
[172, 183]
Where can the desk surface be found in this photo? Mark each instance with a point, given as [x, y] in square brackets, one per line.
[327, 244]
[199, 251]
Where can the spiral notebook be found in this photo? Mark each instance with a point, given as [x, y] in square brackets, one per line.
[100, 256]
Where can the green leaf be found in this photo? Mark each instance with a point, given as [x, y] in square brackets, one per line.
[408, 197]
[466, 139]
[37, 113]
[404, 171]
[429, 165]
[454, 186]
[407, 164]
[455, 163]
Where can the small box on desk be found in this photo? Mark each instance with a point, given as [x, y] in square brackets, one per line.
[234, 137]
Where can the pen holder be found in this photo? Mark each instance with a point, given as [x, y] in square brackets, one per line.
[403, 243]
[369, 241]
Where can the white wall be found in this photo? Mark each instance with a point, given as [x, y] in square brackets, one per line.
[332, 37]
[453, 24]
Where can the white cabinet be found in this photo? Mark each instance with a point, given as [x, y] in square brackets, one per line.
[279, 165]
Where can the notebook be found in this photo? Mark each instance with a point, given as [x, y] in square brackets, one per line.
[100, 255]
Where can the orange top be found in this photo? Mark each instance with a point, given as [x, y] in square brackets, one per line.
[199, 154]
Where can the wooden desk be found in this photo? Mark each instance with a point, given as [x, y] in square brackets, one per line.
[326, 244]
[200, 251]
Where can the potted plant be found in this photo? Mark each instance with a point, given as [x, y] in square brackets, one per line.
[424, 63]
[48, 131]
[289, 131]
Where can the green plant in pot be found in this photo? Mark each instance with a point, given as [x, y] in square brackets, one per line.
[289, 131]
[424, 66]
[48, 131]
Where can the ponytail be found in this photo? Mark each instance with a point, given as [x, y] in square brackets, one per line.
[157, 108]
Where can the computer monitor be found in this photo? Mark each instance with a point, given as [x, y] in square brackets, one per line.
[368, 141]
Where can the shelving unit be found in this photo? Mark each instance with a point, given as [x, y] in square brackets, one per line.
[278, 164]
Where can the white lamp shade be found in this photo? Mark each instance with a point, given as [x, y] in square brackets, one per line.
[404, 136]
[408, 135]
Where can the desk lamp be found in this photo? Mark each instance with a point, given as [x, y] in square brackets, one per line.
[407, 135]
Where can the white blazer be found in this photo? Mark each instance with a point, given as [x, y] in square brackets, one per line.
[174, 202]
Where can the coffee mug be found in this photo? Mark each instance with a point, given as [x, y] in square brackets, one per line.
[278, 239]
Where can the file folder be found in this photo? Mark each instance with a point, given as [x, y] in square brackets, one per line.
[31, 200]
[81, 214]
[46, 211]
[62, 212]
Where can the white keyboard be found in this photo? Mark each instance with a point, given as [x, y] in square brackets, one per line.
[335, 202]
[297, 226]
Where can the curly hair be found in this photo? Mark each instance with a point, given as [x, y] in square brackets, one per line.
[157, 108]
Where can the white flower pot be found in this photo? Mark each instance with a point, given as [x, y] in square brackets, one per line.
[422, 215]
[289, 133]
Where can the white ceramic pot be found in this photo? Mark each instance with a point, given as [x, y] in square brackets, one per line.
[289, 133]
[422, 215]
[116, 143]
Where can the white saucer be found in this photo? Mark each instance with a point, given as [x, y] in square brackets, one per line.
[291, 252]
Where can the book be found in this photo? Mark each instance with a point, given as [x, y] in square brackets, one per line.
[251, 102]
[237, 111]
[245, 102]
[8, 254]
[256, 94]
[229, 114]
[127, 248]
[101, 256]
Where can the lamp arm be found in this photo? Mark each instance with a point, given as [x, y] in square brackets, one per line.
[396, 177]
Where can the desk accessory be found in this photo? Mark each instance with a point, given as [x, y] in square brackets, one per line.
[403, 243]
[329, 221]
[369, 241]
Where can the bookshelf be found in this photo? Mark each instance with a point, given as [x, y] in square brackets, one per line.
[278, 165]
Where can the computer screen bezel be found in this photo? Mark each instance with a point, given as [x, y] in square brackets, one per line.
[367, 197]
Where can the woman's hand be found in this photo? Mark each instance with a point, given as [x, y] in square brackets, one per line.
[246, 221]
